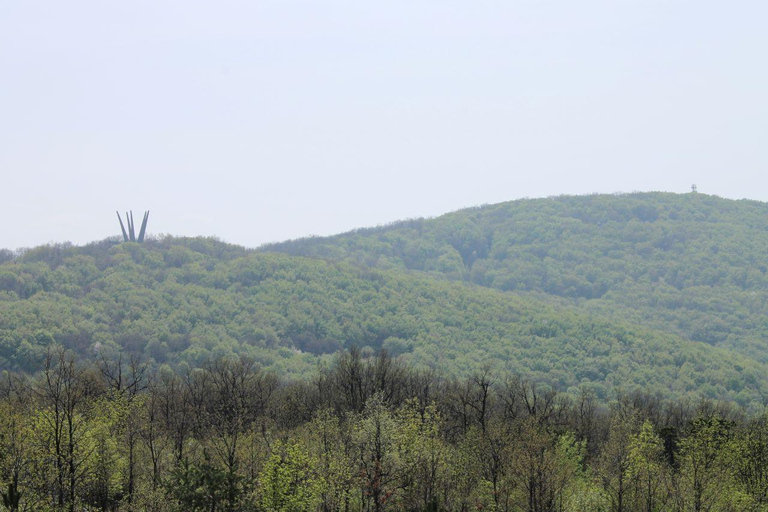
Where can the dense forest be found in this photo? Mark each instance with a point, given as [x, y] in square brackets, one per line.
[363, 433]
[692, 264]
[183, 302]
[563, 354]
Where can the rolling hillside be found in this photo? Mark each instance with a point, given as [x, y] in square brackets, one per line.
[184, 301]
[693, 264]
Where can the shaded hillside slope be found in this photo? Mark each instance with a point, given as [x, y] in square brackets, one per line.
[692, 264]
[182, 301]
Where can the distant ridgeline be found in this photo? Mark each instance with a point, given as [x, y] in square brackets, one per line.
[662, 292]
[691, 264]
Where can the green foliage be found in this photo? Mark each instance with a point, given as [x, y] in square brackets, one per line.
[705, 467]
[228, 436]
[334, 478]
[198, 486]
[690, 264]
[11, 497]
[15, 452]
[187, 301]
[749, 456]
[646, 469]
[661, 292]
[288, 482]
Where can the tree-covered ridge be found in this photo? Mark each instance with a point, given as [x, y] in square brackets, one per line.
[187, 301]
[692, 264]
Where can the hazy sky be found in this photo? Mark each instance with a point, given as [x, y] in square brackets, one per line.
[259, 121]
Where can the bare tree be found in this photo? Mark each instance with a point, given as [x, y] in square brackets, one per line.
[63, 391]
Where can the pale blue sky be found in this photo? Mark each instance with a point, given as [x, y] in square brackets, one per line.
[260, 121]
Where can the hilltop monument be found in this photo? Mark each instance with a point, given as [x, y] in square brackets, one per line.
[130, 235]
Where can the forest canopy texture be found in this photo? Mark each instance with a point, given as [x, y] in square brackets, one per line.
[199, 374]
[364, 433]
[661, 292]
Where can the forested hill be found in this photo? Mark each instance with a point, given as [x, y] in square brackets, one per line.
[186, 301]
[692, 264]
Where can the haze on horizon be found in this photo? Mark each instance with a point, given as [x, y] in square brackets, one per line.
[258, 121]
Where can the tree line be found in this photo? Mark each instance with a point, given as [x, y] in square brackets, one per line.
[187, 301]
[367, 433]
